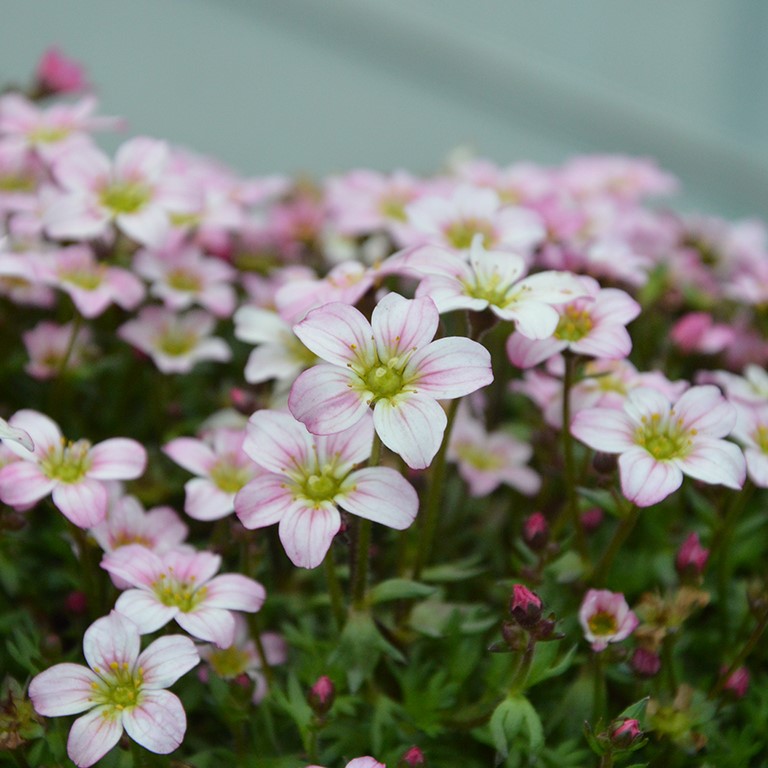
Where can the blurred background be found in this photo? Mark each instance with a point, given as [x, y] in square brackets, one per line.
[322, 86]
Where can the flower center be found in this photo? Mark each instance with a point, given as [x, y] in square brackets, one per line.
[384, 381]
[125, 197]
[602, 623]
[14, 183]
[393, 208]
[320, 487]
[662, 438]
[119, 687]
[460, 233]
[229, 662]
[88, 280]
[493, 290]
[761, 438]
[183, 595]
[478, 458]
[575, 323]
[123, 538]
[184, 219]
[48, 134]
[181, 280]
[228, 476]
[176, 342]
[68, 462]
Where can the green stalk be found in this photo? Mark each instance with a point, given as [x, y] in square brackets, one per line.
[598, 686]
[434, 494]
[334, 589]
[568, 458]
[523, 669]
[620, 535]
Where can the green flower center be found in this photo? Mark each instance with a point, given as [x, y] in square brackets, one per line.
[184, 219]
[68, 462]
[182, 280]
[175, 342]
[17, 184]
[384, 381]
[574, 324]
[228, 476]
[664, 439]
[602, 623]
[493, 291]
[46, 135]
[120, 687]
[761, 438]
[393, 208]
[123, 538]
[320, 487]
[88, 280]
[184, 595]
[478, 458]
[460, 233]
[229, 662]
[125, 197]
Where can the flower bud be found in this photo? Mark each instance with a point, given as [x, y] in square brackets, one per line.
[321, 695]
[525, 606]
[536, 531]
[414, 756]
[691, 558]
[645, 663]
[514, 636]
[591, 519]
[738, 683]
[76, 602]
[626, 733]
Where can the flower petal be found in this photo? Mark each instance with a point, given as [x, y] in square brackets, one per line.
[135, 564]
[158, 723]
[381, 494]
[204, 501]
[22, 484]
[194, 455]
[307, 533]
[45, 432]
[111, 639]
[166, 660]
[64, 689]
[401, 325]
[215, 625]
[145, 610]
[337, 333]
[604, 429]
[277, 442]
[706, 410]
[84, 503]
[117, 459]
[645, 480]
[411, 426]
[235, 593]
[263, 501]
[93, 735]
[714, 461]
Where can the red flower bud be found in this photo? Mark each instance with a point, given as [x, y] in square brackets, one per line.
[691, 557]
[536, 531]
[626, 733]
[738, 683]
[645, 663]
[321, 695]
[525, 606]
[414, 756]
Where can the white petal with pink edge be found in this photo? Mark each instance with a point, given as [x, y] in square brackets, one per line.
[45, 432]
[264, 501]
[118, 458]
[166, 660]
[715, 461]
[83, 503]
[411, 426]
[610, 342]
[278, 442]
[322, 399]
[204, 501]
[645, 480]
[307, 533]
[64, 689]
[448, 368]
[401, 325]
[145, 610]
[158, 723]
[380, 494]
[235, 593]
[112, 638]
[192, 566]
[135, 564]
[22, 484]
[347, 448]
[533, 319]
[194, 455]
[604, 429]
[448, 294]
[93, 735]
[706, 410]
[216, 625]
[337, 333]
[525, 353]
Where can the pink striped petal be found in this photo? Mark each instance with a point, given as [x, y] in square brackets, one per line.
[117, 459]
[166, 660]
[194, 455]
[411, 426]
[645, 402]
[645, 480]
[706, 410]
[235, 593]
[715, 461]
[609, 342]
[192, 566]
[448, 368]
[322, 399]
[64, 689]
[45, 432]
[278, 442]
[347, 448]
[111, 639]
[93, 735]
[337, 333]
[533, 319]
[204, 501]
[158, 723]
[401, 325]
[380, 494]
[145, 610]
[448, 294]
[604, 429]
[141, 159]
[215, 625]
[307, 533]
[525, 353]
[135, 564]
[83, 503]
[22, 484]
[264, 501]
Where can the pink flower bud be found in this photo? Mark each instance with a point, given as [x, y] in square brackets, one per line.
[536, 531]
[738, 682]
[525, 606]
[591, 519]
[626, 733]
[645, 663]
[414, 756]
[691, 557]
[76, 602]
[57, 73]
[321, 695]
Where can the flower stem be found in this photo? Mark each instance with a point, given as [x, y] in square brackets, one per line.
[620, 535]
[77, 322]
[523, 669]
[334, 589]
[434, 493]
[598, 686]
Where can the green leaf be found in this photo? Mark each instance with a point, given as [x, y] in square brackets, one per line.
[567, 568]
[635, 711]
[399, 589]
[515, 723]
[456, 571]
[601, 498]
[544, 665]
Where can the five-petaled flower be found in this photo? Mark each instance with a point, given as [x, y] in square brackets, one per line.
[123, 690]
[605, 618]
[391, 364]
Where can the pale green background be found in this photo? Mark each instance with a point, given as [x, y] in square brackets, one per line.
[328, 85]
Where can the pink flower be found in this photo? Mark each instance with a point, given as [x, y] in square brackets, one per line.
[691, 557]
[222, 469]
[605, 618]
[390, 364]
[359, 762]
[122, 690]
[48, 344]
[738, 683]
[16, 435]
[593, 325]
[660, 441]
[308, 478]
[176, 343]
[72, 472]
[488, 459]
[57, 73]
[181, 585]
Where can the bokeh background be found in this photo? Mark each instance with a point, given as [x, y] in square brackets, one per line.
[322, 86]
